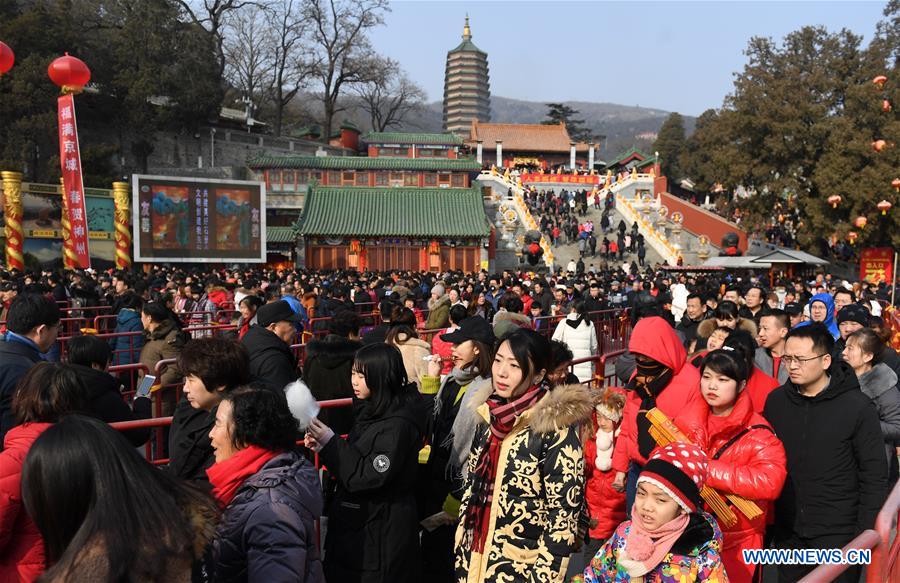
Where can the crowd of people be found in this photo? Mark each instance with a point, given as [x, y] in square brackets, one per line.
[557, 214]
[741, 416]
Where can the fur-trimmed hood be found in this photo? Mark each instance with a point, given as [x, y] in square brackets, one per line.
[706, 327]
[506, 322]
[878, 381]
[433, 304]
[562, 406]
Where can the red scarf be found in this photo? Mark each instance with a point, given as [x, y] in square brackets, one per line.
[503, 417]
[228, 476]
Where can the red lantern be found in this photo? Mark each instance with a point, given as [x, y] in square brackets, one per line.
[879, 145]
[896, 184]
[69, 73]
[884, 206]
[852, 236]
[834, 200]
[7, 58]
[355, 246]
[885, 106]
[434, 248]
[879, 81]
[861, 222]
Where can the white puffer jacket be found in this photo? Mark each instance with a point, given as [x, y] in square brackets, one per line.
[582, 341]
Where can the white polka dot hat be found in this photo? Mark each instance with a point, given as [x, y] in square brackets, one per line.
[679, 469]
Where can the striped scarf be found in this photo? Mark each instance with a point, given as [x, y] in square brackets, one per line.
[503, 417]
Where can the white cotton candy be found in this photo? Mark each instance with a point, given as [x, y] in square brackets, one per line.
[302, 404]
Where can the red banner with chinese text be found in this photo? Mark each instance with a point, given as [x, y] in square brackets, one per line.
[560, 178]
[876, 264]
[73, 186]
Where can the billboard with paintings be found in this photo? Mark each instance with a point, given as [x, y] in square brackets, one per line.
[198, 220]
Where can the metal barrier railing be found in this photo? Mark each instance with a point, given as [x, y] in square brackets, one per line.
[884, 568]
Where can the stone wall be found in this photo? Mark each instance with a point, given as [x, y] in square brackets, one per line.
[223, 153]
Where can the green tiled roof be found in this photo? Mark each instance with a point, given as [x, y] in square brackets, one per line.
[403, 138]
[280, 234]
[646, 162]
[468, 47]
[411, 212]
[618, 159]
[363, 163]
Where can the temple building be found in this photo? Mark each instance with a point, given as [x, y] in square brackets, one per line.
[409, 204]
[633, 159]
[528, 146]
[467, 88]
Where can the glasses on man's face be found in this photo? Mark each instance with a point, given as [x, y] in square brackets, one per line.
[789, 361]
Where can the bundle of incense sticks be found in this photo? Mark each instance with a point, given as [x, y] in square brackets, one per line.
[664, 431]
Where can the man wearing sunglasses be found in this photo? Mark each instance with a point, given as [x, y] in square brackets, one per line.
[837, 477]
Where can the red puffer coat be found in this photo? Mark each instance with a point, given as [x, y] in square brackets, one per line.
[754, 467]
[605, 505]
[680, 400]
[21, 549]
[759, 385]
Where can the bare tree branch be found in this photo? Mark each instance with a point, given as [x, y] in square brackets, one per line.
[389, 96]
[211, 15]
[341, 52]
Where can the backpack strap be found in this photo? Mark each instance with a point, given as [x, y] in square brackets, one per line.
[735, 439]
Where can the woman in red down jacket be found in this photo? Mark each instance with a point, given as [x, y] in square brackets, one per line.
[47, 391]
[745, 456]
[662, 379]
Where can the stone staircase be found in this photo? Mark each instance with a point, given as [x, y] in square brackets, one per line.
[630, 196]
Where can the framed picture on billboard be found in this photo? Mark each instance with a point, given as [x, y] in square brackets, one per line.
[198, 220]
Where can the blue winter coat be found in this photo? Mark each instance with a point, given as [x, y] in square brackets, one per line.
[127, 349]
[268, 531]
[829, 322]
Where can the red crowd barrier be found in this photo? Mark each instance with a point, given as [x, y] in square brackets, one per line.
[885, 567]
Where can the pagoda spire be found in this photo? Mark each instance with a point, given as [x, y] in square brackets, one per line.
[467, 32]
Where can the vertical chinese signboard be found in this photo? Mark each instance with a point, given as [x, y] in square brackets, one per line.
[876, 264]
[75, 246]
[198, 220]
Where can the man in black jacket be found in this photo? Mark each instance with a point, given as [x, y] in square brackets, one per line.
[837, 473]
[269, 345]
[595, 302]
[32, 328]
[327, 369]
[378, 334]
[695, 313]
[89, 357]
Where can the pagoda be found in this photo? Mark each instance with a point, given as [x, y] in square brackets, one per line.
[467, 91]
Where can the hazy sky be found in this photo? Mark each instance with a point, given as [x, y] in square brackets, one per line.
[590, 51]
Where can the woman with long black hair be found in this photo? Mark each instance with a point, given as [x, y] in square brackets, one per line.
[372, 520]
[105, 514]
[525, 484]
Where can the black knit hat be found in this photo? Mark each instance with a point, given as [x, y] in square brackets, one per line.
[853, 313]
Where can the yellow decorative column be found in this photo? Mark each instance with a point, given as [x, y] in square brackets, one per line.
[70, 259]
[15, 234]
[123, 232]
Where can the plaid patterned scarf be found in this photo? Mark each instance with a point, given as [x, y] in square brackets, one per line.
[503, 417]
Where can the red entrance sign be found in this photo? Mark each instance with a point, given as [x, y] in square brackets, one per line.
[876, 264]
[560, 178]
[76, 247]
